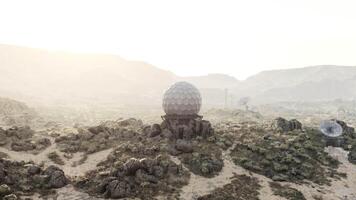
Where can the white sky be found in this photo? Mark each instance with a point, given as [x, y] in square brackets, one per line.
[191, 37]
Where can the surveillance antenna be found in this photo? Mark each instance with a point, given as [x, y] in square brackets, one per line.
[331, 128]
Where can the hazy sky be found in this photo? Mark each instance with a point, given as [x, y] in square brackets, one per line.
[192, 37]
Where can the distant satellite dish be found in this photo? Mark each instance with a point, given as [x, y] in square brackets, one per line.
[331, 128]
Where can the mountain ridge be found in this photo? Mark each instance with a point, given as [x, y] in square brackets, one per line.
[41, 75]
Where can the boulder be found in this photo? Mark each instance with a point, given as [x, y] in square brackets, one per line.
[57, 179]
[33, 169]
[155, 130]
[283, 125]
[184, 146]
[24, 132]
[10, 197]
[2, 172]
[4, 190]
[131, 166]
[118, 189]
[23, 146]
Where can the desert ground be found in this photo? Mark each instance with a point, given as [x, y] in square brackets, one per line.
[260, 153]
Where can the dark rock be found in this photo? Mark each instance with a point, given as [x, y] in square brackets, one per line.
[283, 125]
[3, 138]
[186, 129]
[137, 178]
[184, 146]
[203, 164]
[96, 129]
[294, 157]
[167, 134]
[206, 129]
[241, 187]
[348, 131]
[4, 190]
[155, 130]
[352, 154]
[286, 191]
[33, 169]
[57, 178]
[141, 176]
[10, 197]
[130, 122]
[2, 172]
[131, 166]
[118, 189]
[23, 146]
[24, 132]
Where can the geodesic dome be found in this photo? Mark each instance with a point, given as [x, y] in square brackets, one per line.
[182, 99]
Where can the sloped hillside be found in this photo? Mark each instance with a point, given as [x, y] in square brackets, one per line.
[15, 113]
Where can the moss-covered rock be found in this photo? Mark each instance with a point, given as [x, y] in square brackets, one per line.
[27, 178]
[97, 138]
[295, 157]
[56, 158]
[286, 191]
[203, 164]
[352, 154]
[141, 178]
[241, 187]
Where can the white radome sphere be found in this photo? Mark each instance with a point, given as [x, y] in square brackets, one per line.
[182, 98]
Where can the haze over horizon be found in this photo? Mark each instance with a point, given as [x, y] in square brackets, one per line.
[185, 37]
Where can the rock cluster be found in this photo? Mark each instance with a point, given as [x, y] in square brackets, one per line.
[22, 139]
[5, 192]
[241, 187]
[203, 164]
[27, 178]
[283, 125]
[180, 129]
[196, 145]
[294, 157]
[286, 191]
[97, 138]
[142, 178]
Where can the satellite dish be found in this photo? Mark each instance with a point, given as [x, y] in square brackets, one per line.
[331, 128]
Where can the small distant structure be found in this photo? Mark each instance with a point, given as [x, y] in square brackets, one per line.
[226, 97]
[332, 130]
[244, 102]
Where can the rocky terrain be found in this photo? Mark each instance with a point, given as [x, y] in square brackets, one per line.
[194, 159]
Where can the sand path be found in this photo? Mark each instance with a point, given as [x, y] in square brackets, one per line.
[344, 189]
[68, 168]
[199, 186]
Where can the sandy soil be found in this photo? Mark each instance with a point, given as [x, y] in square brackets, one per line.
[68, 168]
[344, 189]
[199, 186]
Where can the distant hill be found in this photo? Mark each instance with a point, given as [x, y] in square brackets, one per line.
[39, 76]
[15, 113]
[45, 75]
[315, 83]
[213, 81]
